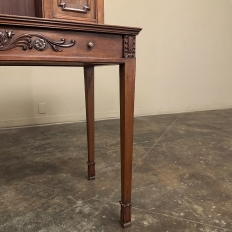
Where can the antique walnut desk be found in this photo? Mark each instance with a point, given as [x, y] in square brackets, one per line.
[69, 33]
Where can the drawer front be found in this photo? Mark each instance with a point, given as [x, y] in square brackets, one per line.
[46, 44]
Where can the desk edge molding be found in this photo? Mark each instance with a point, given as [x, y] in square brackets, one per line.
[8, 20]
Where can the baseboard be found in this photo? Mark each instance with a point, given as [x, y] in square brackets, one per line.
[60, 119]
[178, 110]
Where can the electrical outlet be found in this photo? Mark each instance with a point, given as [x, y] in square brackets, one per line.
[42, 108]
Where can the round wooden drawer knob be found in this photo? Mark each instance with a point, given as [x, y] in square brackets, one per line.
[90, 44]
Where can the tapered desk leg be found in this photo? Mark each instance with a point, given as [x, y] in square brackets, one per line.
[89, 100]
[127, 89]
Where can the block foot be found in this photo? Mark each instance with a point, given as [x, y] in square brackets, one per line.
[91, 170]
[125, 214]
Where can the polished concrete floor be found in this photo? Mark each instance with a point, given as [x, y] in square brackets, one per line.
[182, 178]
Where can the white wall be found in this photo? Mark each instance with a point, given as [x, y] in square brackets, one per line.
[184, 63]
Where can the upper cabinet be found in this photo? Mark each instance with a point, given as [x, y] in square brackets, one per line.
[91, 11]
[75, 10]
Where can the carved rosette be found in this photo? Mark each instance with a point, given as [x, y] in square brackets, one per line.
[30, 41]
[129, 46]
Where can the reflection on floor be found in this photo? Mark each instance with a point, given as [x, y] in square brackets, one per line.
[182, 179]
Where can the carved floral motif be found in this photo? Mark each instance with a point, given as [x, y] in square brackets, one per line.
[129, 46]
[30, 41]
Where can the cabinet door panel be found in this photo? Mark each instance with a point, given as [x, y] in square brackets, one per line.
[5, 7]
[75, 9]
[29, 8]
[17, 7]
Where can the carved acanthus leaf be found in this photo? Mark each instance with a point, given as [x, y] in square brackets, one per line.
[129, 46]
[29, 41]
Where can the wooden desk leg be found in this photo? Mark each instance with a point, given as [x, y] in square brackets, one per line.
[127, 89]
[89, 100]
